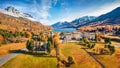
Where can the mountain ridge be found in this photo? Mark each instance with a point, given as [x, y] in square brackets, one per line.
[75, 23]
[111, 19]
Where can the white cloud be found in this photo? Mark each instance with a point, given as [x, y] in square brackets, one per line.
[41, 9]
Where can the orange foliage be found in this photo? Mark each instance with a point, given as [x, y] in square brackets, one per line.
[21, 24]
[5, 49]
[28, 34]
[43, 38]
[57, 39]
[1, 38]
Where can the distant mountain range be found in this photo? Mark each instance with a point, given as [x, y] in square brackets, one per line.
[75, 23]
[110, 18]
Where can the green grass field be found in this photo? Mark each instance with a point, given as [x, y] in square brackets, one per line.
[31, 61]
[81, 58]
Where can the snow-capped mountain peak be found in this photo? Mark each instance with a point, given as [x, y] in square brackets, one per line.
[14, 12]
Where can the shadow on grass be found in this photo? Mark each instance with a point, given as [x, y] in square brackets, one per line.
[31, 53]
[101, 54]
[84, 48]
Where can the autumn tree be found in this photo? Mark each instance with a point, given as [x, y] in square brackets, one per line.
[30, 45]
[28, 34]
[85, 40]
[43, 37]
[98, 37]
[56, 46]
[49, 48]
[57, 42]
[51, 40]
[70, 60]
[107, 41]
[16, 34]
[111, 48]
[1, 39]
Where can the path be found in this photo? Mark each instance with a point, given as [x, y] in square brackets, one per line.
[6, 58]
[102, 66]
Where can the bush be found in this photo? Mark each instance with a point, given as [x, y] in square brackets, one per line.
[85, 40]
[70, 60]
[111, 48]
[90, 45]
[107, 41]
[17, 41]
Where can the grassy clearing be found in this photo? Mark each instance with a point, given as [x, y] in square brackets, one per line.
[8, 48]
[81, 58]
[31, 61]
[109, 61]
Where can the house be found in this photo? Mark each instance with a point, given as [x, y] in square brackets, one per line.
[78, 36]
[40, 47]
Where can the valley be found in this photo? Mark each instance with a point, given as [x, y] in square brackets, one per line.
[59, 34]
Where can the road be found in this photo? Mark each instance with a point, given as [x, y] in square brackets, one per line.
[6, 58]
[102, 66]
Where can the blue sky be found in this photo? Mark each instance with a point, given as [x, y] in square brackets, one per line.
[51, 11]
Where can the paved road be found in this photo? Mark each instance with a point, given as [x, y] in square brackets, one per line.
[5, 59]
[102, 66]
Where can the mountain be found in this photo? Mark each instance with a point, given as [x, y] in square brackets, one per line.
[19, 23]
[75, 23]
[16, 13]
[113, 15]
[62, 25]
[83, 20]
[111, 18]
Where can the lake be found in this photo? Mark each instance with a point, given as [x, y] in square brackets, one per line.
[64, 30]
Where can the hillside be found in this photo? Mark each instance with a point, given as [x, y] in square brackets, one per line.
[109, 20]
[13, 23]
[13, 20]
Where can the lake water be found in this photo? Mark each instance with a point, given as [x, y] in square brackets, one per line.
[64, 30]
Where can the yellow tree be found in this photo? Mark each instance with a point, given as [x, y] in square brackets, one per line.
[86, 40]
[57, 43]
[43, 37]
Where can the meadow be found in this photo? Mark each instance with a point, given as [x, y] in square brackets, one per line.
[31, 61]
[81, 58]
[6, 49]
[109, 61]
